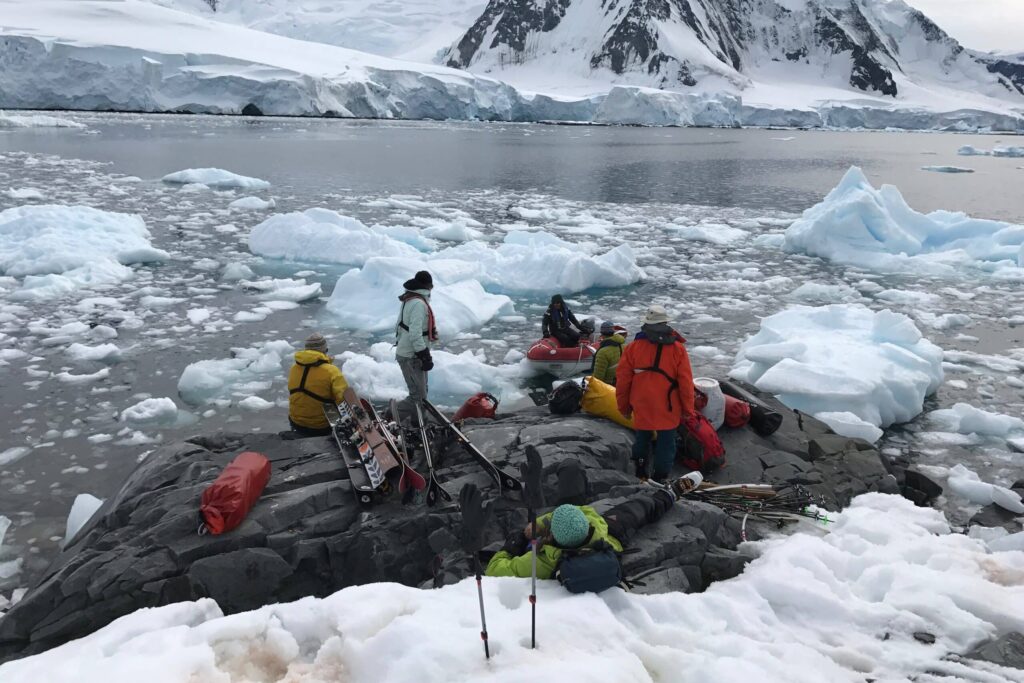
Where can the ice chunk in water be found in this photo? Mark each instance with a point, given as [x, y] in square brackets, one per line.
[215, 177]
[151, 410]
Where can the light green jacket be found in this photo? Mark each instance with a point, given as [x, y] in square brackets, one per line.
[414, 315]
[548, 555]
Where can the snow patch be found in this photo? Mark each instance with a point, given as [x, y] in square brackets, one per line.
[82, 510]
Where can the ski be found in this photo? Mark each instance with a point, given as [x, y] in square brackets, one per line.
[348, 438]
[375, 445]
[502, 479]
[434, 488]
[409, 479]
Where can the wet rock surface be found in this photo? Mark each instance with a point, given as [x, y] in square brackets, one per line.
[307, 535]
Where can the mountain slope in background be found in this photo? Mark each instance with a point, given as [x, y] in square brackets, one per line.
[417, 30]
[877, 47]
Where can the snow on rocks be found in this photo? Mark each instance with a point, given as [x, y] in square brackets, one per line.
[841, 607]
[323, 236]
[876, 229]
[454, 377]
[151, 411]
[8, 568]
[248, 368]
[841, 362]
[36, 121]
[58, 249]
[367, 298]
[215, 177]
[82, 510]
[252, 204]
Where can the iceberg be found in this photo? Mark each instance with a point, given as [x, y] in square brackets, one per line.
[58, 249]
[323, 236]
[207, 380]
[876, 229]
[215, 177]
[843, 363]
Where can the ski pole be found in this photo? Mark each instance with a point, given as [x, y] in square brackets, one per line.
[480, 594]
[533, 581]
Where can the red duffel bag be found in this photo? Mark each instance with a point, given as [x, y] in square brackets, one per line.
[737, 412]
[229, 498]
[480, 405]
[701, 448]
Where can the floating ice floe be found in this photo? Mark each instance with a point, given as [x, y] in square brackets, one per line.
[25, 193]
[284, 289]
[715, 233]
[210, 379]
[252, 204]
[972, 151]
[840, 607]
[8, 568]
[455, 377]
[58, 249]
[877, 230]
[968, 484]
[215, 177]
[367, 298]
[323, 236]
[852, 367]
[104, 353]
[947, 169]
[966, 419]
[151, 411]
[82, 510]
[36, 121]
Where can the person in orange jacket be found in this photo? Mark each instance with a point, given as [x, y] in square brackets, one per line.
[654, 385]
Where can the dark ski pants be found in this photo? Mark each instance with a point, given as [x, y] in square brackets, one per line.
[664, 450]
[637, 512]
[567, 337]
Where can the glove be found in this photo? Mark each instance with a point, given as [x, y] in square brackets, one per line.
[426, 362]
[516, 544]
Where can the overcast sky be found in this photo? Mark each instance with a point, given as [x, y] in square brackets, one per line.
[979, 24]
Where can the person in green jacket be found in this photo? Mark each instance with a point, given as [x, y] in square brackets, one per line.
[570, 527]
[606, 360]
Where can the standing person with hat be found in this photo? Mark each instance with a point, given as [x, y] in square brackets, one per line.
[606, 360]
[414, 333]
[559, 322]
[654, 385]
[313, 380]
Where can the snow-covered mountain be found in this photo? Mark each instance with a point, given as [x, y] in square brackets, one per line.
[877, 47]
[814, 63]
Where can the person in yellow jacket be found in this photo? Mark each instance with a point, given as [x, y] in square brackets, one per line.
[313, 380]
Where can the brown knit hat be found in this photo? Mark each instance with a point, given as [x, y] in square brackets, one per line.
[316, 342]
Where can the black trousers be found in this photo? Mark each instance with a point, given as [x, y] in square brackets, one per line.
[567, 337]
[638, 511]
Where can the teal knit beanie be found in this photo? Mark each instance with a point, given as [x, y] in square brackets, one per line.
[569, 526]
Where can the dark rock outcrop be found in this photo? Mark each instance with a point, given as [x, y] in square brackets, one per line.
[308, 536]
[1005, 651]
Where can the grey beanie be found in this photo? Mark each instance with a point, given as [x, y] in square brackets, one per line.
[316, 342]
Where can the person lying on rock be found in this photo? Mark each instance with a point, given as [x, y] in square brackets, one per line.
[559, 322]
[571, 527]
[606, 360]
[654, 385]
[313, 380]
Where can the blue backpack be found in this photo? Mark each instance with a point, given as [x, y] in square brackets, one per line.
[589, 570]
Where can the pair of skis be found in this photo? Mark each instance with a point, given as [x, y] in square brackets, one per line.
[375, 463]
[378, 460]
[502, 479]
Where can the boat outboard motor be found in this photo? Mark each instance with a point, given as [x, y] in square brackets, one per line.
[587, 328]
